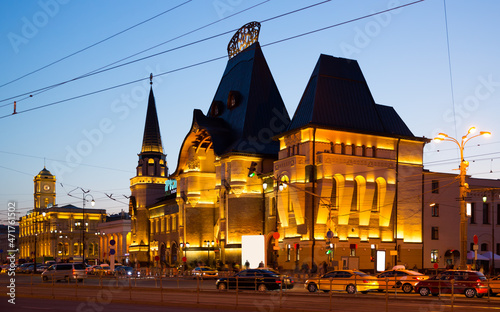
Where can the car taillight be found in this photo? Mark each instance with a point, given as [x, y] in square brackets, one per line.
[278, 282]
[419, 278]
[365, 281]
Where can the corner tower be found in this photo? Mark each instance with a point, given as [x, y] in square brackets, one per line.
[148, 186]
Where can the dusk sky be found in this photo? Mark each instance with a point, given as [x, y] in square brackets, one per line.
[440, 70]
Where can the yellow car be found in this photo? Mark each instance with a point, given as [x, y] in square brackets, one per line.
[404, 279]
[204, 272]
[349, 280]
[494, 284]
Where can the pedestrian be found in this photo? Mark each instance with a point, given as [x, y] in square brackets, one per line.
[247, 265]
[261, 264]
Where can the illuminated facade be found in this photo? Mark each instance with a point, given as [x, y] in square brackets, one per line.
[351, 173]
[218, 201]
[344, 172]
[56, 232]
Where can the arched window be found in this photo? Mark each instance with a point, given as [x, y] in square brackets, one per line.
[379, 194]
[484, 247]
[359, 189]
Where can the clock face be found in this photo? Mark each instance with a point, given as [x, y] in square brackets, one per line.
[46, 187]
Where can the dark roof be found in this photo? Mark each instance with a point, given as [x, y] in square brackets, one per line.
[45, 172]
[151, 141]
[337, 96]
[259, 114]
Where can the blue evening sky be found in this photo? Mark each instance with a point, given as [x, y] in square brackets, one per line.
[93, 141]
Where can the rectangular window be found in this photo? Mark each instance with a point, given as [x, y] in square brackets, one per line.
[434, 256]
[498, 214]
[435, 210]
[498, 249]
[174, 223]
[486, 213]
[472, 213]
[288, 248]
[435, 233]
[435, 186]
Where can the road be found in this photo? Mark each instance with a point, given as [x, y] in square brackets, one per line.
[182, 295]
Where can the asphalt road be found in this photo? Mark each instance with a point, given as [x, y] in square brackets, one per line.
[181, 295]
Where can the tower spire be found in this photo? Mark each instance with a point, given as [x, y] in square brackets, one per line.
[151, 141]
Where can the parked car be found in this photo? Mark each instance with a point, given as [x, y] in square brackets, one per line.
[495, 286]
[22, 267]
[402, 278]
[124, 271]
[469, 283]
[102, 269]
[204, 272]
[29, 268]
[65, 271]
[343, 280]
[255, 279]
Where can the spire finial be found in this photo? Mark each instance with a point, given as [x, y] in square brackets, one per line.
[151, 79]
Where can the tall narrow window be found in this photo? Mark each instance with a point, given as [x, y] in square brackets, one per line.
[472, 213]
[435, 186]
[333, 198]
[354, 202]
[435, 210]
[486, 213]
[376, 199]
[288, 248]
[435, 233]
[434, 255]
[498, 249]
[498, 214]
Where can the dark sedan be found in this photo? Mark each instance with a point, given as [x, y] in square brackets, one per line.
[255, 279]
[124, 271]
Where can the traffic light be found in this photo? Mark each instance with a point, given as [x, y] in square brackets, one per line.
[252, 170]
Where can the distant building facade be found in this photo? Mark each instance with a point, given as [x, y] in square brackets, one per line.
[52, 232]
[6, 240]
[441, 222]
[117, 228]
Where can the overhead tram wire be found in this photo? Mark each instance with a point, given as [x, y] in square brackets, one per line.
[101, 69]
[94, 44]
[108, 68]
[196, 64]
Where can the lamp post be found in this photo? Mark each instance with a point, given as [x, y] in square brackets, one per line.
[92, 203]
[184, 248]
[463, 187]
[209, 244]
[36, 233]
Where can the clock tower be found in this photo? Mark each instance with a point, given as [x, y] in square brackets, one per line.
[45, 189]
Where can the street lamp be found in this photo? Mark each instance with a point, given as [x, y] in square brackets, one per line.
[463, 187]
[92, 203]
[209, 244]
[36, 233]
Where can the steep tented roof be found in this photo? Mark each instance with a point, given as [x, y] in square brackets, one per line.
[259, 113]
[337, 96]
[151, 141]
